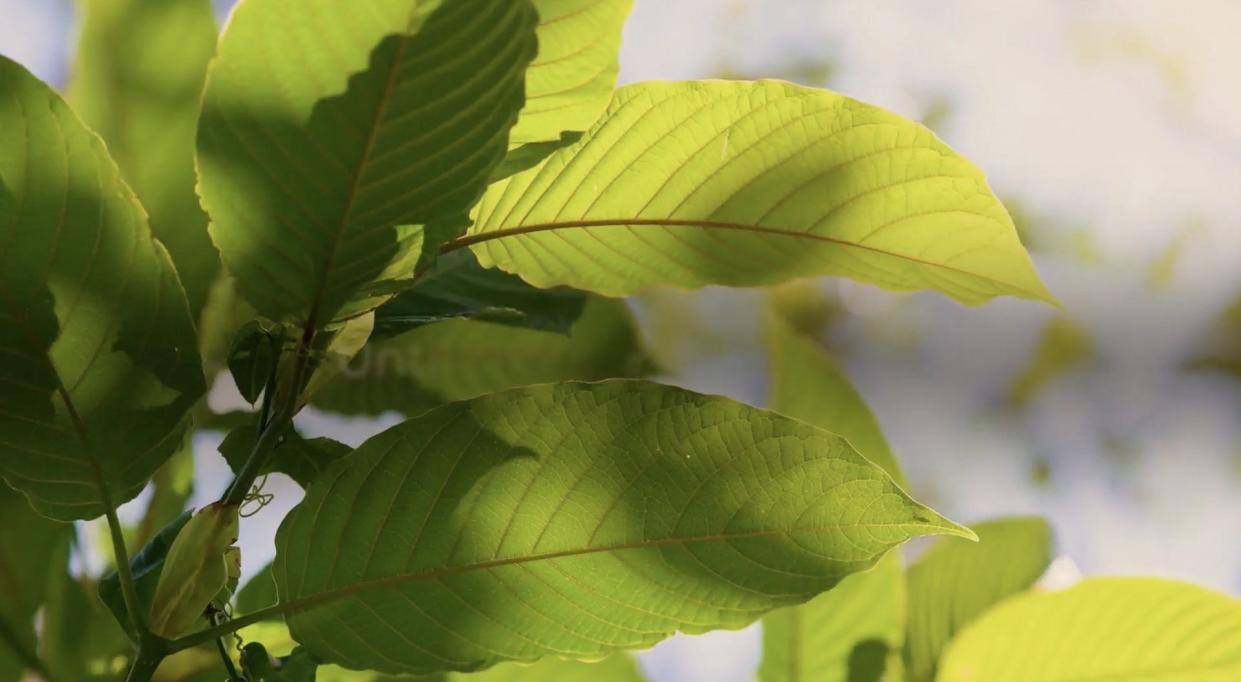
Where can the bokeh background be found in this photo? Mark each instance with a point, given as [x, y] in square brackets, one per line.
[1112, 129]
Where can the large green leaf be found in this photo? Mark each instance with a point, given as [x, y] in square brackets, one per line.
[1103, 630]
[751, 183]
[317, 187]
[145, 567]
[574, 519]
[461, 289]
[30, 545]
[98, 356]
[462, 359]
[570, 82]
[850, 633]
[137, 80]
[955, 582]
[806, 382]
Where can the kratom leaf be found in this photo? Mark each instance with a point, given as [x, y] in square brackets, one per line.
[253, 358]
[1063, 346]
[335, 349]
[301, 459]
[461, 359]
[570, 82]
[752, 183]
[98, 354]
[849, 633]
[806, 383]
[852, 631]
[258, 593]
[137, 80]
[317, 187]
[575, 519]
[460, 288]
[199, 564]
[530, 155]
[955, 582]
[145, 566]
[1103, 629]
[261, 667]
[30, 546]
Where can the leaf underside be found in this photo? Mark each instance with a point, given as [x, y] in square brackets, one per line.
[575, 519]
[752, 183]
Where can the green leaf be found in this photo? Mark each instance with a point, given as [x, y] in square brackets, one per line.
[261, 667]
[461, 359]
[145, 566]
[849, 633]
[752, 183]
[198, 565]
[955, 582]
[253, 358]
[301, 459]
[460, 288]
[570, 82]
[29, 547]
[806, 383]
[1103, 629]
[137, 80]
[575, 519]
[317, 180]
[530, 155]
[97, 348]
[1063, 346]
[258, 593]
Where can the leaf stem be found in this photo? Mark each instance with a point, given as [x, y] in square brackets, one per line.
[272, 428]
[129, 592]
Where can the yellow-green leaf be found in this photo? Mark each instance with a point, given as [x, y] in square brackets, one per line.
[752, 183]
[1103, 630]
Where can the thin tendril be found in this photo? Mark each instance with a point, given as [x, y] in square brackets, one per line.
[256, 496]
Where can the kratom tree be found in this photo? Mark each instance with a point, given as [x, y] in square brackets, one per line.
[432, 208]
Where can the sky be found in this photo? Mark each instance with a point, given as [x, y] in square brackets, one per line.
[1117, 125]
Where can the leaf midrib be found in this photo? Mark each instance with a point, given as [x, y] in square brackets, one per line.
[309, 601]
[481, 237]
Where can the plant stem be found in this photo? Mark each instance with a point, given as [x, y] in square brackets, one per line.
[150, 654]
[129, 593]
[273, 428]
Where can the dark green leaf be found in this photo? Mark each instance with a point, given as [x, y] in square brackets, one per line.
[261, 667]
[531, 154]
[332, 131]
[460, 288]
[98, 354]
[253, 359]
[302, 459]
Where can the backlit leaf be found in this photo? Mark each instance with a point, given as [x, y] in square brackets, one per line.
[332, 131]
[137, 80]
[31, 546]
[570, 82]
[752, 183]
[574, 519]
[98, 355]
[1103, 629]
